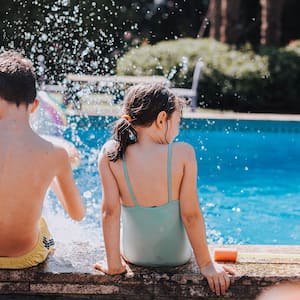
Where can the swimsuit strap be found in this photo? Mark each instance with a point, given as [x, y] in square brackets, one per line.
[128, 181]
[169, 161]
[169, 172]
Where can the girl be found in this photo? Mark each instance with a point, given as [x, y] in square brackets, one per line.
[153, 182]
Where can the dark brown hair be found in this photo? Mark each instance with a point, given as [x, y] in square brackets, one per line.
[142, 103]
[17, 78]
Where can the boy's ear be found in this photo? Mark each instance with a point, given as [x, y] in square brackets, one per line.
[161, 118]
[34, 105]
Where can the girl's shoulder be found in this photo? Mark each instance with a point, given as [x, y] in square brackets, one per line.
[108, 147]
[183, 150]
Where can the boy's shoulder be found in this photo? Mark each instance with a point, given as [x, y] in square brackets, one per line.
[55, 146]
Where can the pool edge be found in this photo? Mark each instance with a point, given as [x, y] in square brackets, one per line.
[75, 277]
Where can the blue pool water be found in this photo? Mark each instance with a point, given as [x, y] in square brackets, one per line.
[248, 176]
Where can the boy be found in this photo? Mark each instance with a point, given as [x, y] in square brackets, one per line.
[28, 165]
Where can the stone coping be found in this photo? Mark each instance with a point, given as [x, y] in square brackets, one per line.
[68, 273]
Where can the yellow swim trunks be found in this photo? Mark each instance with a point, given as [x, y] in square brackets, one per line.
[37, 255]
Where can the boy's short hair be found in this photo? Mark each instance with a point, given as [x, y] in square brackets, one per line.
[17, 78]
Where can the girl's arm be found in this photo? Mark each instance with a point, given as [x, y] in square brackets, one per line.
[194, 224]
[111, 210]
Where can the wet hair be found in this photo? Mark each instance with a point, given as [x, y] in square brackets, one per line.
[142, 104]
[17, 78]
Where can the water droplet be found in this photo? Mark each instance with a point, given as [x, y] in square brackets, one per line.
[87, 194]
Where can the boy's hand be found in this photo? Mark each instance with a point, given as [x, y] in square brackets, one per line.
[112, 271]
[217, 277]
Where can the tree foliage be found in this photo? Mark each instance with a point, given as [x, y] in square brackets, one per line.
[236, 79]
[87, 36]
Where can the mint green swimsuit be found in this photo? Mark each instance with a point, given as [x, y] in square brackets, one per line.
[154, 236]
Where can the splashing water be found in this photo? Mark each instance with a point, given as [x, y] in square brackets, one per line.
[49, 117]
[66, 37]
[49, 121]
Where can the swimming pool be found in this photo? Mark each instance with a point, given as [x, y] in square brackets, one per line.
[248, 176]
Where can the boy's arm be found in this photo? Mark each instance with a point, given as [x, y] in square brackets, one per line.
[111, 211]
[194, 224]
[65, 188]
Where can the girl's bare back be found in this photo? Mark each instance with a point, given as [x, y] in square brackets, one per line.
[147, 168]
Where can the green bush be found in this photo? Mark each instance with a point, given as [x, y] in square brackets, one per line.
[241, 80]
[283, 89]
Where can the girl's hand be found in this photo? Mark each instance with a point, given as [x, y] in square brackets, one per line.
[111, 271]
[217, 277]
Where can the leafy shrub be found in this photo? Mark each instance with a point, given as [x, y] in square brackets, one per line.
[283, 84]
[241, 80]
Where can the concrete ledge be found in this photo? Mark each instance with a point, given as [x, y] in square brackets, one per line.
[69, 273]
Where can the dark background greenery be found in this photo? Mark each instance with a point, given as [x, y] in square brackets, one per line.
[241, 79]
[89, 36]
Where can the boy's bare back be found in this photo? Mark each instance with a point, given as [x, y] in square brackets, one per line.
[28, 164]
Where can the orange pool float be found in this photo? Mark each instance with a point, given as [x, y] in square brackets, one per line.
[226, 254]
[232, 255]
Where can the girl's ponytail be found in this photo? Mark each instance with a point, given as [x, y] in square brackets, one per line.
[142, 104]
[124, 134]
